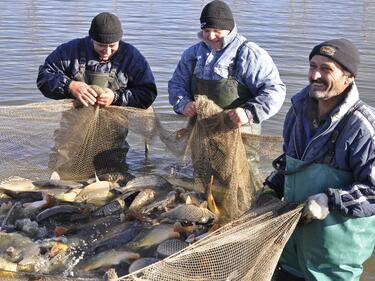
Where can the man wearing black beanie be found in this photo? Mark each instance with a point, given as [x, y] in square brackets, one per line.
[236, 74]
[118, 68]
[329, 160]
[101, 59]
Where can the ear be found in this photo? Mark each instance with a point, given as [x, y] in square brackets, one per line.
[349, 80]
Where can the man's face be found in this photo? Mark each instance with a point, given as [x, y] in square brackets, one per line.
[214, 37]
[105, 51]
[327, 78]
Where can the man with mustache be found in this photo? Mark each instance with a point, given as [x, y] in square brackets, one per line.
[329, 163]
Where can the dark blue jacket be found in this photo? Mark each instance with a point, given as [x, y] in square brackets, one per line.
[137, 83]
[354, 150]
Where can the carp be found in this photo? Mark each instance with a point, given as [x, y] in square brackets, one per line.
[56, 182]
[118, 177]
[56, 210]
[17, 184]
[119, 203]
[141, 263]
[143, 198]
[63, 184]
[154, 235]
[160, 204]
[97, 193]
[150, 181]
[170, 247]
[118, 236]
[189, 213]
[109, 258]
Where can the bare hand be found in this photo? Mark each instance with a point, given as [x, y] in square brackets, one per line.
[83, 93]
[238, 116]
[190, 110]
[106, 98]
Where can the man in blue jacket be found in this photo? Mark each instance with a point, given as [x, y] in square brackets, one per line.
[329, 163]
[236, 74]
[104, 60]
[101, 59]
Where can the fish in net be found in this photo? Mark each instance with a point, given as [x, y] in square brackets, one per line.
[40, 138]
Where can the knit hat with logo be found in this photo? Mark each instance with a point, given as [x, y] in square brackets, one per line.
[341, 51]
[106, 28]
[217, 15]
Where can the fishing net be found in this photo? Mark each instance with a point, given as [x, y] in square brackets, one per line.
[218, 153]
[79, 142]
[245, 249]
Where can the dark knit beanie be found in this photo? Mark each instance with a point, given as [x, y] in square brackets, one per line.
[106, 28]
[218, 15]
[341, 51]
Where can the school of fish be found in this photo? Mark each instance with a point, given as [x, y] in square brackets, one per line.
[112, 224]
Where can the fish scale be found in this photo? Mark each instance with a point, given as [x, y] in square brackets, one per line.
[122, 238]
[153, 236]
[115, 205]
[189, 213]
[161, 203]
[149, 181]
[110, 208]
[141, 263]
[170, 246]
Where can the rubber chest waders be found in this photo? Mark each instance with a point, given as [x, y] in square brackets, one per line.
[104, 80]
[227, 93]
[332, 249]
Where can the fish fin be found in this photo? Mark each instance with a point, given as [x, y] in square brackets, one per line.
[188, 200]
[211, 204]
[55, 176]
[190, 239]
[60, 230]
[96, 177]
[203, 205]
[214, 227]
[177, 227]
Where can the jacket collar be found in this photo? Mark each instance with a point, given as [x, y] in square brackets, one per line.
[301, 100]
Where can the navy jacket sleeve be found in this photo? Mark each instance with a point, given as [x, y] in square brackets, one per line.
[140, 90]
[55, 74]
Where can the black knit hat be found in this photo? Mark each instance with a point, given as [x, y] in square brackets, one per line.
[218, 15]
[106, 28]
[341, 51]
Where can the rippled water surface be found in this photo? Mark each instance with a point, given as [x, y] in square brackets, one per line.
[162, 30]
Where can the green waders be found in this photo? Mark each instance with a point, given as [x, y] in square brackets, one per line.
[104, 80]
[332, 249]
[228, 93]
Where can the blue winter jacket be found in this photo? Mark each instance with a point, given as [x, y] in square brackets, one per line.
[255, 70]
[354, 150]
[137, 89]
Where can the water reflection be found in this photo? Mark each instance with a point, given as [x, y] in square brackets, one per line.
[162, 30]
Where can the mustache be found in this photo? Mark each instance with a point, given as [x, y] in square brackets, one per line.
[318, 81]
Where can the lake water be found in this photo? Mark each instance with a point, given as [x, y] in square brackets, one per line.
[163, 29]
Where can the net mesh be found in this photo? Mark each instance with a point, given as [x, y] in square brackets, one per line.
[218, 153]
[79, 142]
[245, 249]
